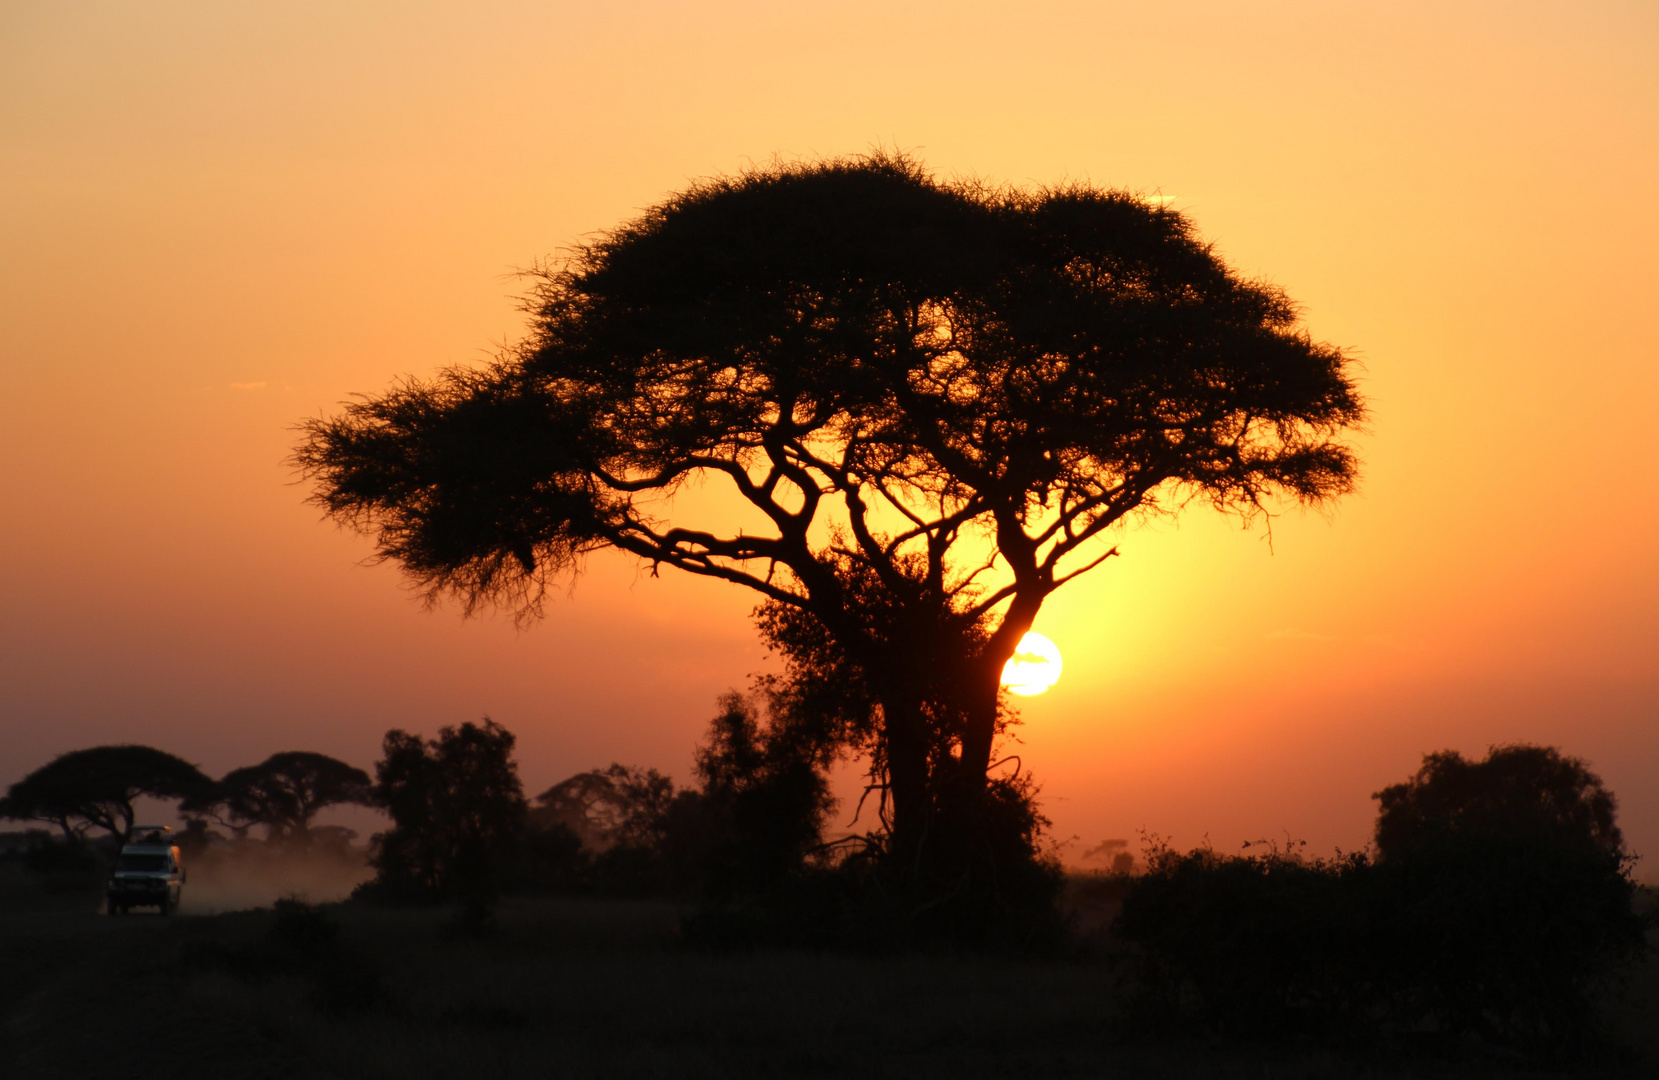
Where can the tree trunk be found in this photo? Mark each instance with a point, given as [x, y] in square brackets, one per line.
[980, 720]
[907, 771]
[983, 692]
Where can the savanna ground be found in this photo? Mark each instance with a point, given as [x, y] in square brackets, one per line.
[604, 988]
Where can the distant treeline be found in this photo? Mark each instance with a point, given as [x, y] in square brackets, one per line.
[1496, 899]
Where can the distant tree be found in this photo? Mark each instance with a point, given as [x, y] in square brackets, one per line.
[619, 805]
[1521, 791]
[283, 793]
[1510, 891]
[455, 802]
[97, 787]
[1499, 904]
[911, 383]
[763, 802]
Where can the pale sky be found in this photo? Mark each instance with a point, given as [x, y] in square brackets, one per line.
[220, 218]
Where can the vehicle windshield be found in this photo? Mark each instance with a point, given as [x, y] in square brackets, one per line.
[141, 863]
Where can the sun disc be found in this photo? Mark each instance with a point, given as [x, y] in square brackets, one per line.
[1034, 667]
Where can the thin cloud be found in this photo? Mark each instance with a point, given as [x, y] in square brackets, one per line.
[249, 385]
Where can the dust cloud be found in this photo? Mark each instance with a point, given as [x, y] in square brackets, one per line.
[236, 876]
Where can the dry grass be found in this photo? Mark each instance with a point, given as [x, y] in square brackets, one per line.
[569, 988]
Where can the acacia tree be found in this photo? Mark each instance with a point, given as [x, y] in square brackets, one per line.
[97, 787]
[934, 398]
[283, 793]
[619, 805]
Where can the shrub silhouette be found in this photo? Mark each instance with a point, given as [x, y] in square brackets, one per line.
[1264, 943]
[1498, 904]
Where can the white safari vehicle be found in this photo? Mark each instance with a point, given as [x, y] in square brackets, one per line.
[147, 873]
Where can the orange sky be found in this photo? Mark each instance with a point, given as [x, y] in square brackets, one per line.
[220, 218]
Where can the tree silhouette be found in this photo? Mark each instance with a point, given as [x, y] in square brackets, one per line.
[97, 786]
[764, 799]
[938, 395]
[617, 805]
[1520, 791]
[283, 793]
[1500, 903]
[455, 801]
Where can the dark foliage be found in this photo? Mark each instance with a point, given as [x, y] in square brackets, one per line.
[97, 787]
[746, 846]
[1518, 791]
[755, 820]
[456, 804]
[283, 793]
[848, 343]
[759, 816]
[1260, 943]
[1500, 906]
[60, 866]
[543, 859]
[1513, 892]
[966, 864]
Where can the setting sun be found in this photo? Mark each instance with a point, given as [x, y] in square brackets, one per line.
[1034, 667]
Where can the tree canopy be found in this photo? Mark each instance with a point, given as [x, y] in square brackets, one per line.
[284, 792]
[1534, 793]
[934, 398]
[97, 787]
[604, 808]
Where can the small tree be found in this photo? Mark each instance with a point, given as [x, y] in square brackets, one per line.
[764, 799]
[1531, 792]
[1511, 893]
[455, 802]
[283, 793]
[97, 787]
[1498, 904]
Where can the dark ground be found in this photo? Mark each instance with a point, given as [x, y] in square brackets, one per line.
[573, 988]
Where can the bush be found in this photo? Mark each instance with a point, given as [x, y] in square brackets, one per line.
[1499, 905]
[65, 867]
[1263, 943]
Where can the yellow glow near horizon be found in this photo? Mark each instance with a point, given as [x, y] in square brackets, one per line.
[1034, 667]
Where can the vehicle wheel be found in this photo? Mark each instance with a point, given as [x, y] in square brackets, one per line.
[165, 906]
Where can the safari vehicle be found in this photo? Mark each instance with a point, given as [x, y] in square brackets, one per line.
[147, 873]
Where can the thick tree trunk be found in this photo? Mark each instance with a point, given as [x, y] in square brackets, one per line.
[983, 691]
[980, 720]
[907, 771]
